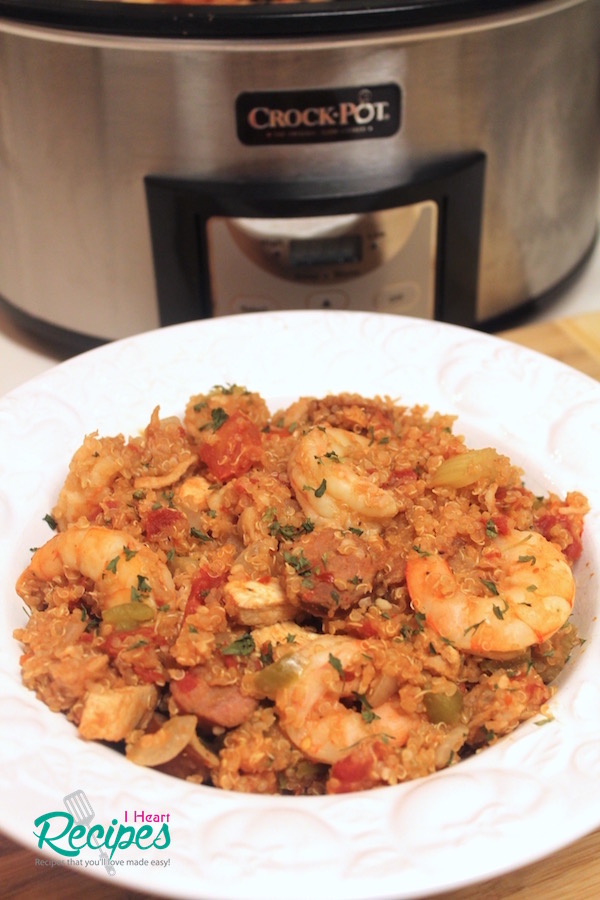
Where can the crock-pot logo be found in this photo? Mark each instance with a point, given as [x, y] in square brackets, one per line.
[297, 117]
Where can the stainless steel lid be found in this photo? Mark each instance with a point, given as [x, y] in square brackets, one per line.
[258, 18]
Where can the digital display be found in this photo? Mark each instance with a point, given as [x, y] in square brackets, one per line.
[331, 251]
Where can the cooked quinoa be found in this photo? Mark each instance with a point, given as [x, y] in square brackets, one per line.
[333, 597]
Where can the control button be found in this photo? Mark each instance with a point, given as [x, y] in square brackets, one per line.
[273, 249]
[244, 303]
[398, 298]
[328, 300]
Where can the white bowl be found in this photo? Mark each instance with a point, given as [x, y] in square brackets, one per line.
[532, 793]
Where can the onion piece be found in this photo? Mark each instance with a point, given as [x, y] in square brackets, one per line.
[159, 747]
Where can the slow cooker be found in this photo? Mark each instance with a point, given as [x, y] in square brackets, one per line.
[165, 162]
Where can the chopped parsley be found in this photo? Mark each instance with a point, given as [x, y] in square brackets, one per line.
[366, 710]
[490, 585]
[200, 535]
[490, 529]
[527, 559]
[266, 655]
[420, 618]
[112, 565]
[419, 551]
[488, 735]
[337, 665]
[290, 532]
[242, 646]
[143, 589]
[499, 613]
[298, 562]
[140, 643]
[218, 417]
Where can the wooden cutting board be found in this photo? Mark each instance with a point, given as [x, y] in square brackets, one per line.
[575, 342]
[572, 873]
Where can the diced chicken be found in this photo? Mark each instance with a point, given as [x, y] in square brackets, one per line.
[256, 602]
[193, 493]
[288, 633]
[110, 715]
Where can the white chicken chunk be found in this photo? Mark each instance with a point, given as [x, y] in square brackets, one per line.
[256, 602]
[111, 715]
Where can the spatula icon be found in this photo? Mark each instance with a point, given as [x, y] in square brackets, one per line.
[78, 805]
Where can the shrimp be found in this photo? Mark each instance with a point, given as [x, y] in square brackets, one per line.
[313, 682]
[122, 570]
[191, 498]
[529, 598]
[328, 472]
[92, 472]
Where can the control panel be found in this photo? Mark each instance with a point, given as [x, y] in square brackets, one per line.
[383, 260]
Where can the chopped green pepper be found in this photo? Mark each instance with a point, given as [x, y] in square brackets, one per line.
[444, 708]
[128, 615]
[278, 675]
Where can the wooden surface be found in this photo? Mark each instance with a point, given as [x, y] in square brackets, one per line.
[572, 873]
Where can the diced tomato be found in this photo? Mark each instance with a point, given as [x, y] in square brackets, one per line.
[202, 583]
[353, 773]
[117, 641]
[231, 662]
[367, 629]
[353, 767]
[572, 524]
[162, 520]
[277, 431]
[500, 523]
[326, 577]
[401, 476]
[187, 683]
[233, 449]
[149, 676]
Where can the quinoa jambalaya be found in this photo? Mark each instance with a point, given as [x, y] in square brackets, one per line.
[337, 596]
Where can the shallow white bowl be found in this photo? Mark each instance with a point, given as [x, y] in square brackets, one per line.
[535, 791]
